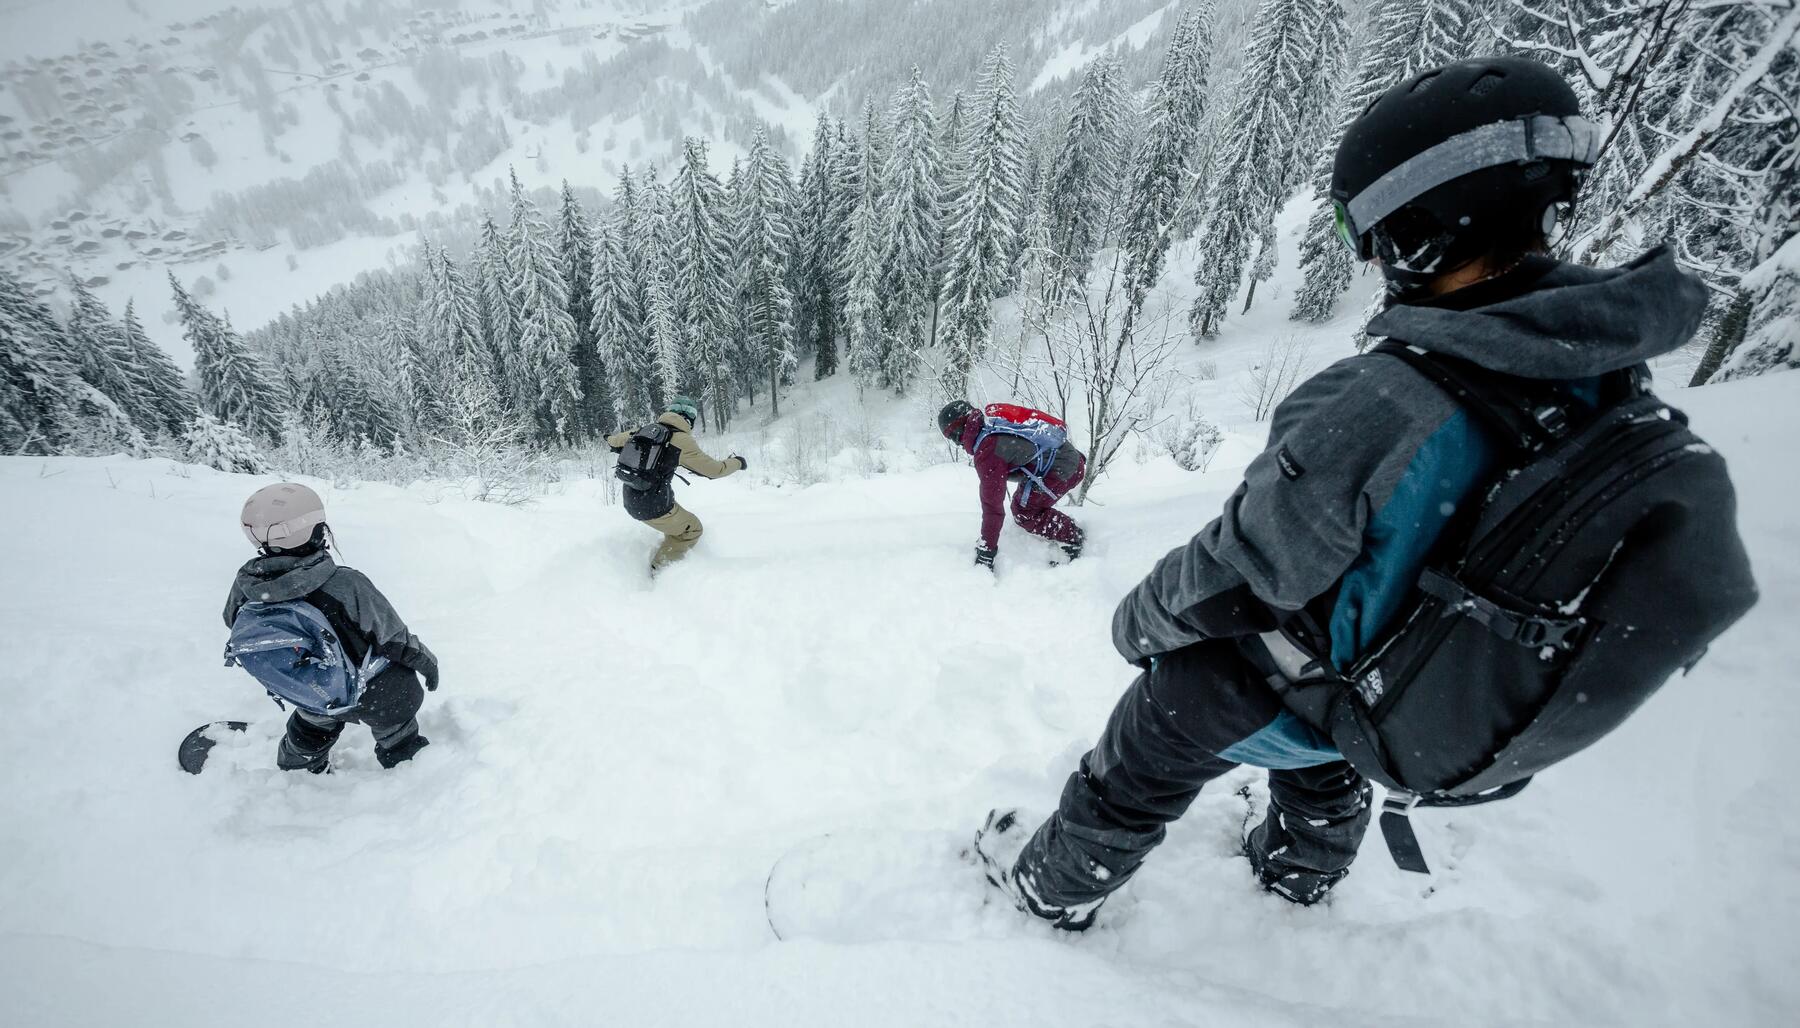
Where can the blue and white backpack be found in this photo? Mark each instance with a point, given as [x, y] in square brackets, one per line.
[291, 649]
[1045, 432]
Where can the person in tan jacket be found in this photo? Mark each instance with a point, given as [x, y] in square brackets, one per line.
[648, 459]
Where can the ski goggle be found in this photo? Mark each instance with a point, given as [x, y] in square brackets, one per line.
[1346, 230]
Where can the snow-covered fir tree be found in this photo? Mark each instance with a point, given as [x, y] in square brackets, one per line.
[816, 314]
[618, 323]
[342, 389]
[872, 150]
[675, 369]
[38, 385]
[452, 311]
[99, 348]
[575, 247]
[415, 366]
[235, 384]
[1038, 155]
[594, 413]
[221, 445]
[1086, 172]
[1289, 45]
[741, 367]
[1184, 79]
[1771, 337]
[983, 221]
[158, 379]
[1268, 252]
[1403, 38]
[494, 297]
[541, 373]
[864, 326]
[910, 205]
[764, 247]
[1159, 184]
[847, 193]
[701, 257]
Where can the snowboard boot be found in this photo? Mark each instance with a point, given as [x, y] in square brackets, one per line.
[998, 845]
[399, 744]
[1264, 848]
[307, 744]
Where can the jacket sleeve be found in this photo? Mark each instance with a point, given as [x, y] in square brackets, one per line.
[233, 600]
[696, 460]
[1337, 447]
[618, 440]
[380, 623]
[991, 469]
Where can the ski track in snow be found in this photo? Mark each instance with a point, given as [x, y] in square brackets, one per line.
[615, 767]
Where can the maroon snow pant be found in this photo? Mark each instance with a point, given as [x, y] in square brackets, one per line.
[1035, 511]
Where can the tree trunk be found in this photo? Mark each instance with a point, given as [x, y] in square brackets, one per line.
[774, 397]
[1249, 297]
[1726, 337]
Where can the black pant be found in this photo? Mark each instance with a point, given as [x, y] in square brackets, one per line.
[1160, 746]
[389, 706]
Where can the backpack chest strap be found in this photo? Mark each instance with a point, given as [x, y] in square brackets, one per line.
[1529, 630]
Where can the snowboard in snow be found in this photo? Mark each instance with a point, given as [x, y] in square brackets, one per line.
[200, 741]
[865, 886]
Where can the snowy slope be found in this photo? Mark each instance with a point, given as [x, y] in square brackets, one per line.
[586, 840]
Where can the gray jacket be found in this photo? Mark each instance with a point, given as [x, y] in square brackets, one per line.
[1341, 444]
[362, 617]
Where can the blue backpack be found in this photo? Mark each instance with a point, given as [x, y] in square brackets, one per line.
[291, 649]
[1045, 432]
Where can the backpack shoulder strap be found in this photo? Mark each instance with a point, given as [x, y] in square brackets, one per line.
[1522, 413]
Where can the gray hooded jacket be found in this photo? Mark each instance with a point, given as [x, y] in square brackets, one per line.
[362, 617]
[1341, 444]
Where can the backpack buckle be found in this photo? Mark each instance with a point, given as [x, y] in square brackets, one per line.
[1561, 635]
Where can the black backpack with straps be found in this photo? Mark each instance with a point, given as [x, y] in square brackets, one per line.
[1604, 559]
[648, 459]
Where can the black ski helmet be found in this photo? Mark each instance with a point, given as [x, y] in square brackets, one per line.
[1459, 162]
[953, 412]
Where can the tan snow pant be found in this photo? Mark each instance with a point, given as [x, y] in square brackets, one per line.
[682, 529]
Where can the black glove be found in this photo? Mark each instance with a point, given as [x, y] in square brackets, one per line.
[426, 665]
[743, 465]
[984, 557]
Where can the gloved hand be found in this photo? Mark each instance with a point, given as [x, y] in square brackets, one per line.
[426, 665]
[743, 465]
[984, 557]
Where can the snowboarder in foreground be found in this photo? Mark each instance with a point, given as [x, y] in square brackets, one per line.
[1462, 557]
[322, 637]
[1014, 443]
[648, 460]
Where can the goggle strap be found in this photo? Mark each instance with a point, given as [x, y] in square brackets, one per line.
[1573, 138]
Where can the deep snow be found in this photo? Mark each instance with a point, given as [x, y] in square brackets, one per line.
[615, 767]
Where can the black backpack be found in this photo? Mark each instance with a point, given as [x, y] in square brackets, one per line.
[648, 459]
[1605, 558]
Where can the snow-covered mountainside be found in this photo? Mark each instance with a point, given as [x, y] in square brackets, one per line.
[264, 151]
[615, 766]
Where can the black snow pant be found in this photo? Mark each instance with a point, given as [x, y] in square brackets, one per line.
[389, 706]
[1198, 714]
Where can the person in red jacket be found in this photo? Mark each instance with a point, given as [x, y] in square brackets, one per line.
[1025, 446]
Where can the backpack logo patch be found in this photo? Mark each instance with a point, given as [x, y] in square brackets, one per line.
[1290, 468]
[1371, 687]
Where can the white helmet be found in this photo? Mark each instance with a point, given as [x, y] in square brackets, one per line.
[282, 517]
